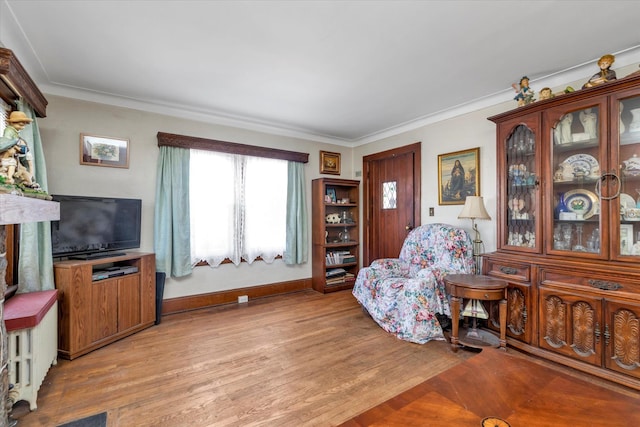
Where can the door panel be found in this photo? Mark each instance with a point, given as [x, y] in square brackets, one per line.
[391, 200]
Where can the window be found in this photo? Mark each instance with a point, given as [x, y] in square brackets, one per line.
[248, 202]
[237, 207]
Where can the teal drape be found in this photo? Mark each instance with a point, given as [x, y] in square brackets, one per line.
[297, 247]
[35, 265]
[171, 225]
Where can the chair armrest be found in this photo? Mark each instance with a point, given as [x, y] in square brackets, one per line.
[387, 267]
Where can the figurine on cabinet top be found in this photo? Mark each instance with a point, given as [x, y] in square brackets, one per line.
[545, 93]
[605, 75]
[524, 92]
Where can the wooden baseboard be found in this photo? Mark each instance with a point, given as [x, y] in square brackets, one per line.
[194, 302]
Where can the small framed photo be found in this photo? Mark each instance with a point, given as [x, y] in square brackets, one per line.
[329, 163]
[104, 151]
[458, 176]
[331, 195]
[626, 239]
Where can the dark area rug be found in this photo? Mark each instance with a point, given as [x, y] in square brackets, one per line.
[98, 420]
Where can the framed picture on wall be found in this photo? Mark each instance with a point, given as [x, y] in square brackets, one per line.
[104, 151]
[458, 176]
[329, 163]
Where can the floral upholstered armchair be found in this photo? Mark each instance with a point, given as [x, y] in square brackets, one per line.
[404, 294]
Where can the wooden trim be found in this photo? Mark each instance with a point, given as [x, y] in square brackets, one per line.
[17, 79]
[182, 141]
[194, 302]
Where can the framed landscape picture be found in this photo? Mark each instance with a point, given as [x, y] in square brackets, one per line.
[458, 176]
[104, 151]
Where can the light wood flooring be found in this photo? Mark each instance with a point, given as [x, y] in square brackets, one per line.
[303, 359]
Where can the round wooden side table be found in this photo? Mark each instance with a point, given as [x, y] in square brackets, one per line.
[476, 287]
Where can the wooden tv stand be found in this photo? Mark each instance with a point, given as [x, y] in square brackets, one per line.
[94, 313]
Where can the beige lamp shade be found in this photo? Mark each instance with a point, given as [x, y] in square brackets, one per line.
[474, 208]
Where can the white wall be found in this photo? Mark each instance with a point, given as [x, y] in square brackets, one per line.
[67, 118]
[460, 133]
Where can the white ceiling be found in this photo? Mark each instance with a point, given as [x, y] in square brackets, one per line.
[336, 71]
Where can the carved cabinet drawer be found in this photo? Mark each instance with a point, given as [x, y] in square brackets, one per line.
[509, 270]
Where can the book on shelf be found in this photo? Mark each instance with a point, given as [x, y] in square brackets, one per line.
[340, 279]
[335, 272]
[339, 257]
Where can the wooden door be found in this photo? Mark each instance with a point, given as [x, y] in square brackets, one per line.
[391, 200]
[128, 302]
[621, 337]
[104, 305]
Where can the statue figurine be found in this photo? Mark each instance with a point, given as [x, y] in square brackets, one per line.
[545, 93]
[16, 160]
[524, 92]
[605, 75]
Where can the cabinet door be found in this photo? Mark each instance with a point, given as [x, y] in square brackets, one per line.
[623, 181]
[578, 158]
[570, 324]
[104, 303]
[621, 337]
[128, 302]
[519, 226]
[518, 312]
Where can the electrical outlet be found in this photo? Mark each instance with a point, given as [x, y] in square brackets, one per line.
[431, 212]
[243, 298]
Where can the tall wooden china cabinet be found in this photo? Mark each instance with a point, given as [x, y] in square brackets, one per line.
[568, 212]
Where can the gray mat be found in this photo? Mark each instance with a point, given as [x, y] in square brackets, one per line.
[98, 420]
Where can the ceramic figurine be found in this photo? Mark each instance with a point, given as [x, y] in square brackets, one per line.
[524, 92]
[562, 132]
[605, 75]
[589, 122]
[545, 93]
[16, 161]
[635, 122]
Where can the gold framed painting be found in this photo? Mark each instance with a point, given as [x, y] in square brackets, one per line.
[329, 163]
[458, 176]
[104, 151]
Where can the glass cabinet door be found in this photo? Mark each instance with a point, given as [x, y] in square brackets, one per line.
[576, 161]
[521, 189]
[628, 160]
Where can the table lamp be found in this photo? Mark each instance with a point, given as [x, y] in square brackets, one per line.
[474, 209]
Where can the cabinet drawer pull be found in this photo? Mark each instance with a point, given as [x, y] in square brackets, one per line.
[604, 285]
[508, 270]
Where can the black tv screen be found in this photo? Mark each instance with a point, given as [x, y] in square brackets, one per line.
[92, 227]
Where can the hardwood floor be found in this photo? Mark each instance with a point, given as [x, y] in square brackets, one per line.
[495, 384]
[303, 359]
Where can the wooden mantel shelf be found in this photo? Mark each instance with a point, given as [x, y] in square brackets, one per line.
[20, 209]
[19, 83]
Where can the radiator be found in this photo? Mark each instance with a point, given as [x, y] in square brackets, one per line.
[32, 351]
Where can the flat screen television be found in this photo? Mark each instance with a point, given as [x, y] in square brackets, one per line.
[95, 227]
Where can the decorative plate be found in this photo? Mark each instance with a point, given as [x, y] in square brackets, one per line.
[581, 202]
[626, 201]
[583, 165]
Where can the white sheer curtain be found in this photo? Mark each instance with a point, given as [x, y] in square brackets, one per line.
[238, 207]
